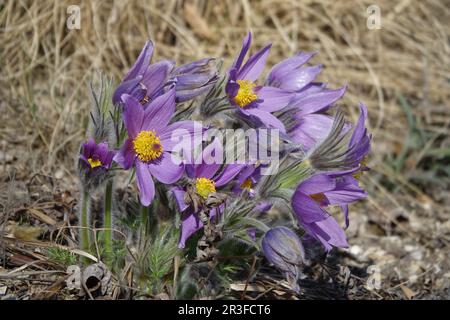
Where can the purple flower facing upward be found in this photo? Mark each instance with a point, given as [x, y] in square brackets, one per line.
[206, 179]
[311, 198]
[146, 81]
[150, 142]
[282, 247]
[251, 100]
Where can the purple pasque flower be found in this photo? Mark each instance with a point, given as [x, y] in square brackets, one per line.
[151, 141]
[206, 178]
[144, 81]
[283, 248]
[247, 179]
[94, 163]
[311, 122]
[194, 78]
[311, 198]
[307, 110]
[95, 156]
[251, 100]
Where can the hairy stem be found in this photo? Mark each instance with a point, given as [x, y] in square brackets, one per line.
[108, 219]
[84, 220]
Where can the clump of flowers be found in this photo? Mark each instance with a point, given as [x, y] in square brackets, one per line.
[173, 129]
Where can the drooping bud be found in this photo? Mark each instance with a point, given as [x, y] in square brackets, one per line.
[282, 247]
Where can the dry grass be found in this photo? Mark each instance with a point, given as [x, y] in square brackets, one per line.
[45, 69]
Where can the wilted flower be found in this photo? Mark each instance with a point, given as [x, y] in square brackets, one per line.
[311, 198]
[250, 99]
[282, 247]
[205, 179]
[150, 142]
[95, 159]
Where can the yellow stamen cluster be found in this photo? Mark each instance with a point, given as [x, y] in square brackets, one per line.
[94, 163]
[204, 187]
[247, 184]
[359, 173]
[147, 146]
[245, 94]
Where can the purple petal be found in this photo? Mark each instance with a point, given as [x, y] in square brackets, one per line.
[188, 94]
[328, 232]
[228, 173]
[232, 89]
[89, 148]
[156, 76]
[311, 129]
[179, 198]
[318, 101]
[317, 184]
[145, 183]
[166, 170]
[299, 78]
[126, 156]
[159, 112]
[131, 87]
[184, 134]
[360, 130]
[274, 99]
[254, 65]
[267, 119]
[345, 195]
[197, 66]
[207, 165]
[306, 209]
[287, 66]
[190, 224]
[245, 47]
[133, 115]
[142, 62]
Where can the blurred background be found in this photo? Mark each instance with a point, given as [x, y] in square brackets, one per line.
[398, 68]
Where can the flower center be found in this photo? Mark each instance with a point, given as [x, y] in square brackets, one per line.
[319, 198]
[94, 163]
[358, 174]
[144, 100]
[245, 94]
[247, 184]
[147, 146]
[204, 187]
